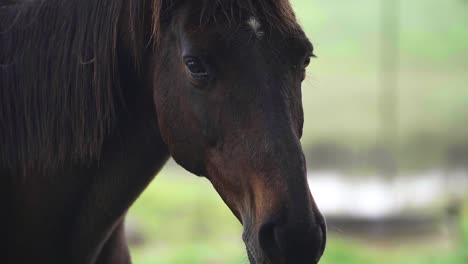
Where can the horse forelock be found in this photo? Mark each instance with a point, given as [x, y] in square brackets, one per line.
[273, 13]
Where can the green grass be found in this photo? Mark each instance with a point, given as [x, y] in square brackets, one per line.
[184, 221]
[345, 251]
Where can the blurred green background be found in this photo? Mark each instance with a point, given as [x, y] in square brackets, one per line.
[180, 218]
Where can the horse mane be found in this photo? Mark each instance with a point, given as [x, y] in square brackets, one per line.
[59, 78]
[60, 85]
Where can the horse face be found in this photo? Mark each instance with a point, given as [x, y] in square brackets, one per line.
[228, 98]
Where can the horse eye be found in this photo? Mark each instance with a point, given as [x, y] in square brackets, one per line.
[196, 67]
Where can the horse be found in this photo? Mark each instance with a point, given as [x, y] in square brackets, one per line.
[96, 95]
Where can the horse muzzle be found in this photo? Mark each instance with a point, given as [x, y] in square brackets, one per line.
[287, 242]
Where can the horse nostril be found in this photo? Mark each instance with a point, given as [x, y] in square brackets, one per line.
[268, 239]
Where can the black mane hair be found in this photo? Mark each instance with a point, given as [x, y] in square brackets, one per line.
[60, 85]
[59, 78]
